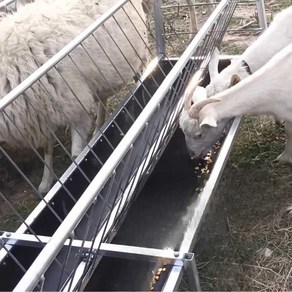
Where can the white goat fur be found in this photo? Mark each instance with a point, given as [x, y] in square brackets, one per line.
[267, 91]
[275, 38]
[38, 31]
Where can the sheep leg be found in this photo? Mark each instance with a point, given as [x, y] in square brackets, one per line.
[286, 155]
[48, 174]
[79, 137]
[101, 114]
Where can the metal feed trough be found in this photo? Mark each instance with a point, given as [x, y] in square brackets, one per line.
[125, 214]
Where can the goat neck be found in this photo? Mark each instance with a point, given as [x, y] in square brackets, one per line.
[265, 92]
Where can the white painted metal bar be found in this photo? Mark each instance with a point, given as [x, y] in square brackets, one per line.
[168, 256]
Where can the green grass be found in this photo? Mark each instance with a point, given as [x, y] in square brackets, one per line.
[259, 142]
[235, 21]
[231, 48]
[23, 204]
[248, 215]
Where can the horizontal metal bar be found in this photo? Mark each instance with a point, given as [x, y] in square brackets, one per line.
[35, 76]
[166, 256]
[242, 2]
[187, 5]
[257, 30]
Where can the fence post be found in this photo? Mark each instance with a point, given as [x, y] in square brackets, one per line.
[159, 30]
[262, 14]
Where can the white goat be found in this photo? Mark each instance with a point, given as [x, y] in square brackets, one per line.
[275, 38]
[267, 91]
[38, 31]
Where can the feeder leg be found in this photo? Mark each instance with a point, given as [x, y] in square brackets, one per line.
[159, 28]
[261, 13]
[286, 156]
[192, 275]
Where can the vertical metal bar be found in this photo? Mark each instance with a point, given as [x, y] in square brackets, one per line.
[173, 282]
[159, 30]
[262, 14]
[192, 275]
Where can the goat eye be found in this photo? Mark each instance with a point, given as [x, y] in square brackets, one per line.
[198, 136]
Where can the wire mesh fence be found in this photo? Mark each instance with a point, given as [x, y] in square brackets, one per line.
[56, 96]
[82, 86]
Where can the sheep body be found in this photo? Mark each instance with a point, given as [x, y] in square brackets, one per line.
[276, 37]
[267, 91]
[37, 32]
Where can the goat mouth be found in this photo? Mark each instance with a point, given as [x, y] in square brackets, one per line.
[194, 155]
[200, 156]
[204, 153]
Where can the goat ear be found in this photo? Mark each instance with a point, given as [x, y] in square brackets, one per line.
[210, 121]
[234, 80]
[213, 64]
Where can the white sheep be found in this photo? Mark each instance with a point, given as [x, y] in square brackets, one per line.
[275, 38]
[38, 31]
[267, 91]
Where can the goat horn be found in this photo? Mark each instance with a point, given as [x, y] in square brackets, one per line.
[195, 108]
[188, 99]
[193, 83]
